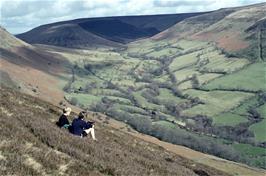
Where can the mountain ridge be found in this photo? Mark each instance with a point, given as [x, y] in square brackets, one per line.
[130, 28]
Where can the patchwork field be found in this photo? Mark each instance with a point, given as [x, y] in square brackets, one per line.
[185, 84]
[251, 78]
[215, 102]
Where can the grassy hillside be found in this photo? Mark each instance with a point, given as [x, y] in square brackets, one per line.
[239, 31]
[31, 144]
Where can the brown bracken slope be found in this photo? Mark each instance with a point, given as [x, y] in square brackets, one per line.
[31, 144]
[233, 29]
[29, 68]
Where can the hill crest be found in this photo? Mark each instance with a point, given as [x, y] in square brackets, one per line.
[96, 31]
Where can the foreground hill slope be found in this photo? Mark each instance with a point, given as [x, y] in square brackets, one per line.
[31, 144]
[86, 32]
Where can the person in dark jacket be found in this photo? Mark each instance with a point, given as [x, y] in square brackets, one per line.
[63, 121]
[82, 128]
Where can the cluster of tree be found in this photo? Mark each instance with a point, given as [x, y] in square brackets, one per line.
[239, 133]
[90, 66]
[67, 87]
[195, 81]
[133, 55]
[119, 49]
[254, 114]
[261, 97]
[227, 54]
[172, 77]
[111, 102]
[173, 108]
[74, 101]
[146, 77]
[90, 86]
[144, 124]
[177, 92]
[195, 142]
[135, 110]
[238, 89]
[218, 71]
[145, 57]
[171, 87]
[202, 62]
[157, 71]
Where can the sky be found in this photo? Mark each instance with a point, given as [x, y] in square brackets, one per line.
[19, 16]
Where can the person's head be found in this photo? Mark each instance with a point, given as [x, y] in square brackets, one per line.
[82, 115]
[67, 111]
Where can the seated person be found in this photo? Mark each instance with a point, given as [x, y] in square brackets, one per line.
[82, 128]
[63, 121]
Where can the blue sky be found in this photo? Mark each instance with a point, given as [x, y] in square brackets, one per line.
[18, 16]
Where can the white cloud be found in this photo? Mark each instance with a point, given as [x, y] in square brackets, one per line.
[21, 15]
[172, 3]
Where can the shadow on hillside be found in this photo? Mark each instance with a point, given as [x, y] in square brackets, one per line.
[35, 58]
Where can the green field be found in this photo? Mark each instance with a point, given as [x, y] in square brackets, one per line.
[229, 119]
[250, 150]
[144, 102]
[243, 108]
[185, 85]
[185, 73]
[203, 78]
[251, 78]
[84, 99]
[215, 102]
[166, 95]
[259, 130]
[256, 155]
[164, 52]
[183, 61]
[218, 61]
[130, 108]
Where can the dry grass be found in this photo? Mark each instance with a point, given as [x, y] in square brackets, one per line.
[31, 144]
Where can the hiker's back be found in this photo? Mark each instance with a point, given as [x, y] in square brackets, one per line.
[82, 128]
[63, 121]
[78, 126]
